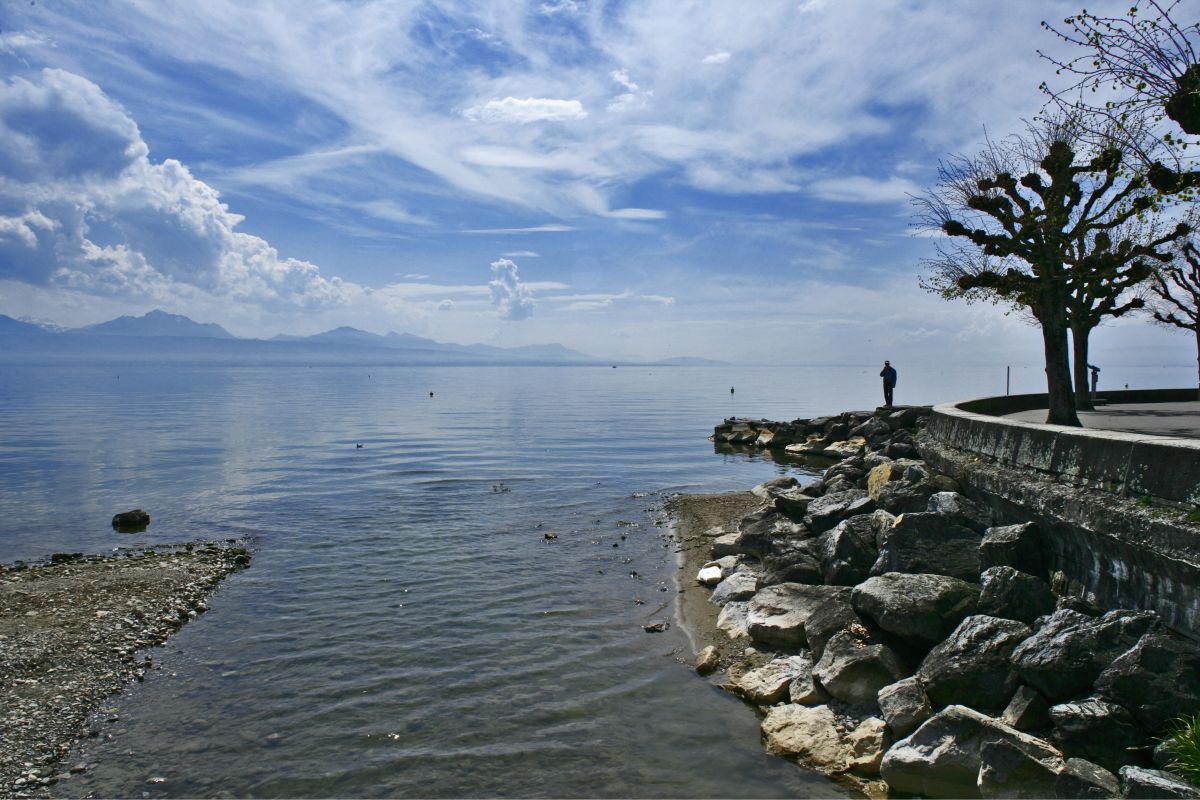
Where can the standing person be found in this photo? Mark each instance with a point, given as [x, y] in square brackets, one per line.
[888, 373]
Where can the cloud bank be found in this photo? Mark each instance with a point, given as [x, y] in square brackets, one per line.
[509, 296]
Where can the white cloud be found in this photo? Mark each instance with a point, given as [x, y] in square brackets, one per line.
[101, 218]
[513, 300]
[636, 213]
[860, 189]
[633, 96]
[528, 109]
[559, 7]
[446, 305]
[719, 57]
[550, 228]
[520, 254]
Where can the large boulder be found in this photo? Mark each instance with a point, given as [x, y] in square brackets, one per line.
[767, 490]
[906, 496]
[738, 586]
[1158, 679]
[1137, 782]
[924, 608]
[793, 503]
[1080, 779]
[769, 683]
[829, 510]
[808, 734]
[1067, 654]
[848, 550]
[1016, 546]
[1099, 731]
[963, 510]
[971, 667]
[854, 671]
[904, 705]
[943, 757]
[777, 613]
[758, 532]
[1008, 769]
[1009, 593]
[925, 542]
[793, 561]
[830, 618]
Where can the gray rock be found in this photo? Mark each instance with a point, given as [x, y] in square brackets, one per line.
[831, 617]
[827, 511]
[919, 607]
[868, 741]
[777, 613]
[848, 550]
[1067, 654]
[1027, 711]
[769, 683]
[803, 689]
[1011, 594]
[1009, 769]
[854, 671]
[793, 503]
[768, 490]
[793, 561]
[971, 667]
[733, 619]
[904, 705]
[907, 496]
[738, 586]
[1137, 782]
[1084, 780]
[963, 510]
[942, 758]
[1016, 546]
[1097, 730]
[930, 543]
[1158, 679]
[759, 532]
[726, 544]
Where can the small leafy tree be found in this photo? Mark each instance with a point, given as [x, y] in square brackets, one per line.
[1031, 225]
[1135, 71]
[1175, 295]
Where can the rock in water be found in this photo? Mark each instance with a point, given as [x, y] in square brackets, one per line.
[707, 660]
[131, 521]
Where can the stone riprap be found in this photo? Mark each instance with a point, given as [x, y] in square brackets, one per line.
[900, 633]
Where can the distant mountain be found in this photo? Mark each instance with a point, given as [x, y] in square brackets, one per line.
[158, 323]
[15, 327]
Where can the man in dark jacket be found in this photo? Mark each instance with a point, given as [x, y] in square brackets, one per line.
[888, 373]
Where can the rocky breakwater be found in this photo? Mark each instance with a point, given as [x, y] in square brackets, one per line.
[74, 631]
[898, 636]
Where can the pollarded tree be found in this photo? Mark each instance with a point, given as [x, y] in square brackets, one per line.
[1175, 295]
[1031, 225]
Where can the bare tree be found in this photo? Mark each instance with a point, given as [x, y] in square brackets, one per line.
[1032, 226]
[1175, 295]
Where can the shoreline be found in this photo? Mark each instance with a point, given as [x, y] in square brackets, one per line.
[75, 631]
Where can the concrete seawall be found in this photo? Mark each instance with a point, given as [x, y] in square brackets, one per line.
[1119, 509]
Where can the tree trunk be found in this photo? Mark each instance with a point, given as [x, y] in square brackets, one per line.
[1058, 370]
[1079, 345]
[1197, 332]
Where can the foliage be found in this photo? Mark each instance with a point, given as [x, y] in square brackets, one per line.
[1184, 743]
[1135, 71]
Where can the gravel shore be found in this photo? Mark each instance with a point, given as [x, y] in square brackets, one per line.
[74, 631]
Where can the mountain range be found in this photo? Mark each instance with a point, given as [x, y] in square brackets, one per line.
[159, 335]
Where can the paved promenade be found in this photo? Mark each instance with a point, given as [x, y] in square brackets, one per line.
[1159, 419]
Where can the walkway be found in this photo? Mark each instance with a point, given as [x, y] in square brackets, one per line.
[1159, 419]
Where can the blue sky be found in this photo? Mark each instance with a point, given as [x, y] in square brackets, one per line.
[631, 179]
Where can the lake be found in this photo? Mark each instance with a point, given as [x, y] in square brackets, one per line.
[406, 629]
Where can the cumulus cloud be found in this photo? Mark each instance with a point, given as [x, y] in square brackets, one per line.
[513, 299]
[716, 58]
[528, 109]
[95, 214]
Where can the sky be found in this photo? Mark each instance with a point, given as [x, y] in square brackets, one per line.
[639, 179]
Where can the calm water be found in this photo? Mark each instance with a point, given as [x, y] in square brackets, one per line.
[405, 629]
